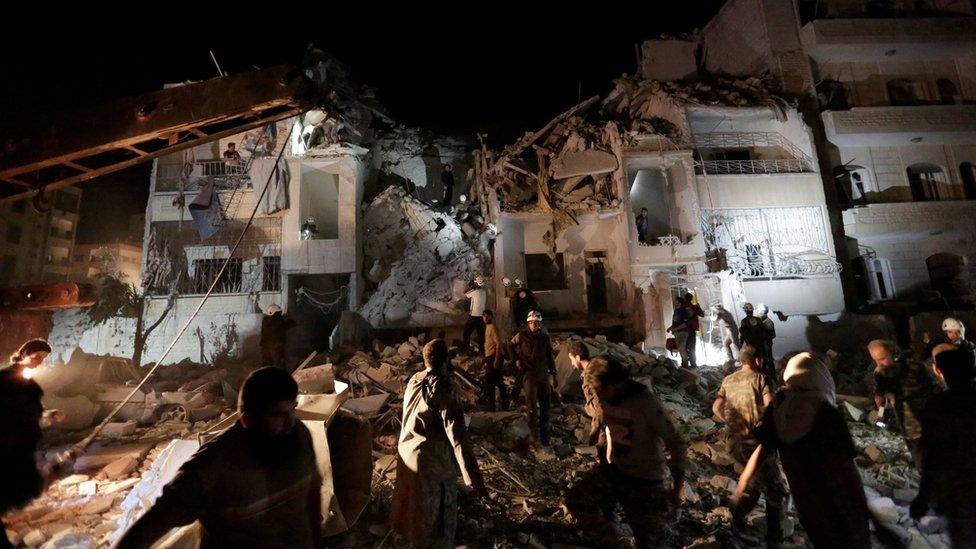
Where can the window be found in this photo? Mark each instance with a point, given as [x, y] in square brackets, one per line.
[13, 234]
[271, 274]
[927, 182]
[319, 204]
[206, 270]
[903, 92]
[545, 273]
[948, 92]
[732, 154]
[968, 174]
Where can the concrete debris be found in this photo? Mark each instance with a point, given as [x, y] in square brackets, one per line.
[118, 429]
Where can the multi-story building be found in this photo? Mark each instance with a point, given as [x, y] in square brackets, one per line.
[91, 260]
[37, 245]
[888, 87]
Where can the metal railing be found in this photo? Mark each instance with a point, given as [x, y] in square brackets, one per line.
[741, 140]
[737, 167]
[781, 265]
[224, 175]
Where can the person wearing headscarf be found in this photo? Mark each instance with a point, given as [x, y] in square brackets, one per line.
[817, 452]
[433, 443]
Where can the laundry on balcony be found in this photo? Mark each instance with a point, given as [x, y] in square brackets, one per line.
[206, 212]
[275, 175]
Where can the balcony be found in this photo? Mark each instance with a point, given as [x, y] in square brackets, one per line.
[768, 152]
[224, 176]
[901, 39]
[744, 167]
[901, 126]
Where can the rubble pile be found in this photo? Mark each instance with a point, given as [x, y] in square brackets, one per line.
[416, 256]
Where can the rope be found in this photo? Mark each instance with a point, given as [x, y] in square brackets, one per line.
[80, 446]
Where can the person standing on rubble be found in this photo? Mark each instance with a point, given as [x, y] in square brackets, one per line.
[21, 419]
[740, 403]
[532, 351]
[447, 180]
[680, 319]
[637, 430]
[730, 331]
[494, 378]
[274, 331]
[753, 332]
[762, 312]
[901, 387]
[477, 298]
[815, 446]
[256, 485]
[433, 441]
[522, 303]
[642, 225]
[691, 343]
[947, 447]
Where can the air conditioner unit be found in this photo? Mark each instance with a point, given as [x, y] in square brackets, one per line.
[881, 285]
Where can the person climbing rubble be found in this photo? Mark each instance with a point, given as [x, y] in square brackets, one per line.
[741, 400]
[815, 446]
[579, 358]
[433, 438]
[274, 331]
[900, 388]
[521, 304]
[447, 180]
[494, 365]
[21, 418]
[531, 350]
[691, 342]
[762, 312]
[637, 430]
[477, 297]
[730, 331]
[947, 447]
[256, 485]
[752, 331]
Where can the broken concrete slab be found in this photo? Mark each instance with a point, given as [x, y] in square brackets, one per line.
[118, 429]
[316, 380]
[366, 406]
[120, 467]
[99, 457]
[88, 488]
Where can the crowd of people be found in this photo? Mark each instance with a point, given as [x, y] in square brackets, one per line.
[772, 419]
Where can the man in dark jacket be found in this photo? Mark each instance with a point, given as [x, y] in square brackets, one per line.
[274, 330]
[447, 180]
[532, 351]
[256, 485]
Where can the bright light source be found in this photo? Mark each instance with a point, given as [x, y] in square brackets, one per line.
[28, 373]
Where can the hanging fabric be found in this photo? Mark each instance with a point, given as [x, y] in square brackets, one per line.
[276, 175]
[206, 213]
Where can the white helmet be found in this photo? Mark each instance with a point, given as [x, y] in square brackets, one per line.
[518, 282]
[762, 309]
[747, 307]
[507, 282]
[479, 280]
[534, 315]
[954, 324]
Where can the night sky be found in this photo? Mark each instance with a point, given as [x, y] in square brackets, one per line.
[457, 72]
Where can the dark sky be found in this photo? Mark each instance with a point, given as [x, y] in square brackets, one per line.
[458, 72]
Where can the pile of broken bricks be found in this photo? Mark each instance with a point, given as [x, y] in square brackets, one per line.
[526, 481]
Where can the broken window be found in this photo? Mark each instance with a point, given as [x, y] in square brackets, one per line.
[271, 274]
[205, 271]
[319, 204]
[948, 92]
[927, 182]
[545, 273]
[904, 92]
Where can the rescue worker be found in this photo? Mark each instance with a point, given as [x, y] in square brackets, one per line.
[532, 351]
[274, 331]
[637, 430]
[948, 443]
[494, 374]
[256, 485]
[447, 181]
[740, 403]
[433, 442]
[902, 387]
[691, 343]
[762, 311]
[477, 298]
[955, 333]
[579, 358]
[730, 331]
[680, 320]
[21, 417]
[521, 304]
[815, 446]
[753, 332]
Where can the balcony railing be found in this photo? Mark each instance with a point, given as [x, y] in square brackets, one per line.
[782, 265]
[744, 167]
[224, 175]
[747, 140]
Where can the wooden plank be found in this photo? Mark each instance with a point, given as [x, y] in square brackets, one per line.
[140, 152]
[78, 167]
